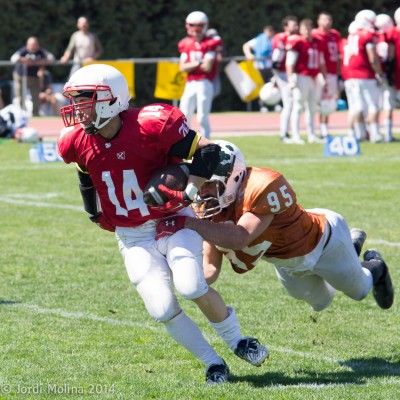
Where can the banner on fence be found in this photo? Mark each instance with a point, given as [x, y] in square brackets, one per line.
[170, 82]
[127, 69]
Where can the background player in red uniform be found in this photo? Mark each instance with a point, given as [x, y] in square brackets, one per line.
[290, 26]
[330, 39]
[254, 215]
[304, 61]
[199, 58]
[117, 150]
[364, 74]
[384, 25]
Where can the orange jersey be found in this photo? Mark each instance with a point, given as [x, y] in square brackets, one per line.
[294, 232]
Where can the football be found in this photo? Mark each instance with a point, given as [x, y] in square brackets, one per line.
[172, 176]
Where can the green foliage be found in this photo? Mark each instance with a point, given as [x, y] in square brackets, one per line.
[71, 319]
[139, 29]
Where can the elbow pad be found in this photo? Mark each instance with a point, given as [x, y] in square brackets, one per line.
[205, 161]
[89, 194]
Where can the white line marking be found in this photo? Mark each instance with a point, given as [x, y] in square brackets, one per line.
[17, 202]
[358, 366]
[82, 315]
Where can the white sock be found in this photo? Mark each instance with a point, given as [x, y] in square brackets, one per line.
[323, 127]
[360, 130]
[374, 132]
[229, 329]
[186, 333]
[387, 125]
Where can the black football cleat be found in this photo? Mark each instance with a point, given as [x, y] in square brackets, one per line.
[383, 287]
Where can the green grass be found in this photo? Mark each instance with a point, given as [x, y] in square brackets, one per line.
[70, 319]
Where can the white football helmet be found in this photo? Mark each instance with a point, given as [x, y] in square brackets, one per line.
[196, 23]
[270, 94]
[383, 22]
[397, 16]
[366, 18]
[354, 27]
[107, 92]
[228, 176]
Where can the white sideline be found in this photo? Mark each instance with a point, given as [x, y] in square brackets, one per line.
[359, 366]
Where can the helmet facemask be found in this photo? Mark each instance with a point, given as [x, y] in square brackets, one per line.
[227, 177]
[100, 99]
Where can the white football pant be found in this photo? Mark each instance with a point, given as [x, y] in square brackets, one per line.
[332, 265]
[198, 96]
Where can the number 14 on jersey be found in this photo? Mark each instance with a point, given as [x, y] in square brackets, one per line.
[341, 146]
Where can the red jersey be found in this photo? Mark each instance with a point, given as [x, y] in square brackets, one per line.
[330, 42]
[393, 37]
[121, 167]
[309, 53]
[355, 58]
[294, 232]
[196, 50]
[343, 50]
[279, 43]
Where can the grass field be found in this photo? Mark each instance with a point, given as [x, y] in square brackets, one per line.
[72, 326]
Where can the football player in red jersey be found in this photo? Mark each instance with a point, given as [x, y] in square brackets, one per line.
[393, 37]
[384, 25]
[364, 75]
[331, 39]
[249, 214]
[290, 26]
[199, 58]
[117, 149]
[304, 61]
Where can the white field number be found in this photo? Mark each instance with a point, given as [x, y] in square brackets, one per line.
[343, 146]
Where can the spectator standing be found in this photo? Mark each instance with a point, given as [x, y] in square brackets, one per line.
[259, 49]
[330, 39]
[83, 44]
[47, 98]
[304, 61]
[30, 59]
[290, 26]
[199, 58]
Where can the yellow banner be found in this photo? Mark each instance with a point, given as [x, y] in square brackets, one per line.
[255, 75]
[170, 82]
[127, 69]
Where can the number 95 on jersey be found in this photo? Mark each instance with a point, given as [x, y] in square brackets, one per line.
[341, 146]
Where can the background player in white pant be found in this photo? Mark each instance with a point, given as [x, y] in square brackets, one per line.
[364, 75]
[117, 150]
[290, 27]
[199, 58]
[304, 61]
[331, 39]
[384, 25]
[254, 215]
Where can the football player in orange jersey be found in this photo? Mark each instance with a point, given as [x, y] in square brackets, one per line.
[248, 214]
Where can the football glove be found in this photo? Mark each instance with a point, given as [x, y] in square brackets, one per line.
[170, 225]
[176, 200]
[100, 220]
